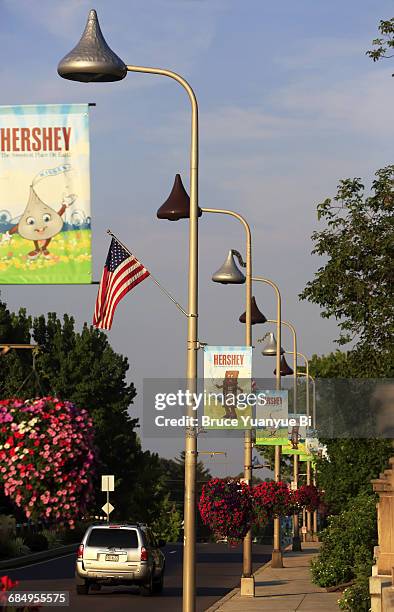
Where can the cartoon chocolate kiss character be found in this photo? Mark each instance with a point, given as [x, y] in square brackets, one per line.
[40, 222]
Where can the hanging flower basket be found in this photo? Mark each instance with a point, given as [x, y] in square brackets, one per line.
[308, 497]
[46, 458]
[226, 507]
[271, 499]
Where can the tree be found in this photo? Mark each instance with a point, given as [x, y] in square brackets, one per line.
[173, 482]
[355, 284]
[349, 468]
[83, 368]
[384, 44]
[174, 477]
[167, 523]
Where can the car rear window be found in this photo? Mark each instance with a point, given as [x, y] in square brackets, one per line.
[113, 538]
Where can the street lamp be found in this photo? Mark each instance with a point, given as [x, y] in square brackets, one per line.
[93, 61]
[311, 532]
[229, 273]
[276, 350]
[296, 544]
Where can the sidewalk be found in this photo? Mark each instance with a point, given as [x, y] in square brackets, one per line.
[288, 589]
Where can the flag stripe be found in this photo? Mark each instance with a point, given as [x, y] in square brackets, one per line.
[122, 272]
[113, 285]
[126, 286]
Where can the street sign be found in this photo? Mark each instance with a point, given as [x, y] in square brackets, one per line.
[107, 508]
[108, 483]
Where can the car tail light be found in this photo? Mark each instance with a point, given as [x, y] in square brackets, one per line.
[144, 554]
[80, 552]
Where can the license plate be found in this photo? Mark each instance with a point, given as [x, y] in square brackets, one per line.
[112, 557]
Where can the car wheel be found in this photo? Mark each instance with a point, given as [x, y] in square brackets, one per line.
[158, 585]
[147, 589]
[82, 589]
[95, 586]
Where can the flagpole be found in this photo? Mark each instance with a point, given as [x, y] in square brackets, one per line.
[151, 276]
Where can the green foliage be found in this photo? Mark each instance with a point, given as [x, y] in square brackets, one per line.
[168, 522]
[36, 542]
[13, 547]
[173, 471]
[356, 598]
[52, 537]
[385, 43]
[349, 468]
[174, 478]
[356, 279]
[267, 454]
[7, 527]
[83, 368]
[347, 544]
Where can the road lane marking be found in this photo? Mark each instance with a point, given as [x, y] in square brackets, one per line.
[15, 569]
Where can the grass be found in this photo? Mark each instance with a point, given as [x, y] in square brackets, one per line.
[69, 261]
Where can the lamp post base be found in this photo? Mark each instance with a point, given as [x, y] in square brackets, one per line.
[277, 559]
[296, 546]
[247, 586]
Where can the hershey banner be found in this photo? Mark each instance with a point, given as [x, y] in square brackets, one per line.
[45, 221]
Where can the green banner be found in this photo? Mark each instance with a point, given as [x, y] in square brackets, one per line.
[45, 220]
[272, 416]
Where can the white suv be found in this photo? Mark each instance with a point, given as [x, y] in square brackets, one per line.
[120, 554]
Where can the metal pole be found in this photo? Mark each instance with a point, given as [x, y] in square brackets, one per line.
[189, 553]
[108, 501]
[247, 579]
[308, 513]
[296, 544]
[277, 558]
[315, 538]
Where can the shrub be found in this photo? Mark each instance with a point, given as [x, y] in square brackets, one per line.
[13, 547]
[356, 598]
[72, 536]
[167, 524]
[347, 544]
[36, 542]
[53, 537]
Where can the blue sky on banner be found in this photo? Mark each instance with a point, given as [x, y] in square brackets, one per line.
[289, 104]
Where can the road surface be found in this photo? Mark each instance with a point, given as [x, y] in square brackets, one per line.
[218, 571]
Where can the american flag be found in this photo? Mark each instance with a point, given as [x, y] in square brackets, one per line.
[121, 273]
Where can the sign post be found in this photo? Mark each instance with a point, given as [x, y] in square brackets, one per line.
[108, 484]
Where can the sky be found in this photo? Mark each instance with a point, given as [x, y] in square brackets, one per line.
[289, 104]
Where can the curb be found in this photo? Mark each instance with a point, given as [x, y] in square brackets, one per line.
[231, 594]
[44, 555]
[218, 604]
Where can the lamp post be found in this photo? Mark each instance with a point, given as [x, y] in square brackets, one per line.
[93, 61]
[311, 532]
[296, 543]
[229, 273]
[276, 350]
[308, 467]
[253, 315]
